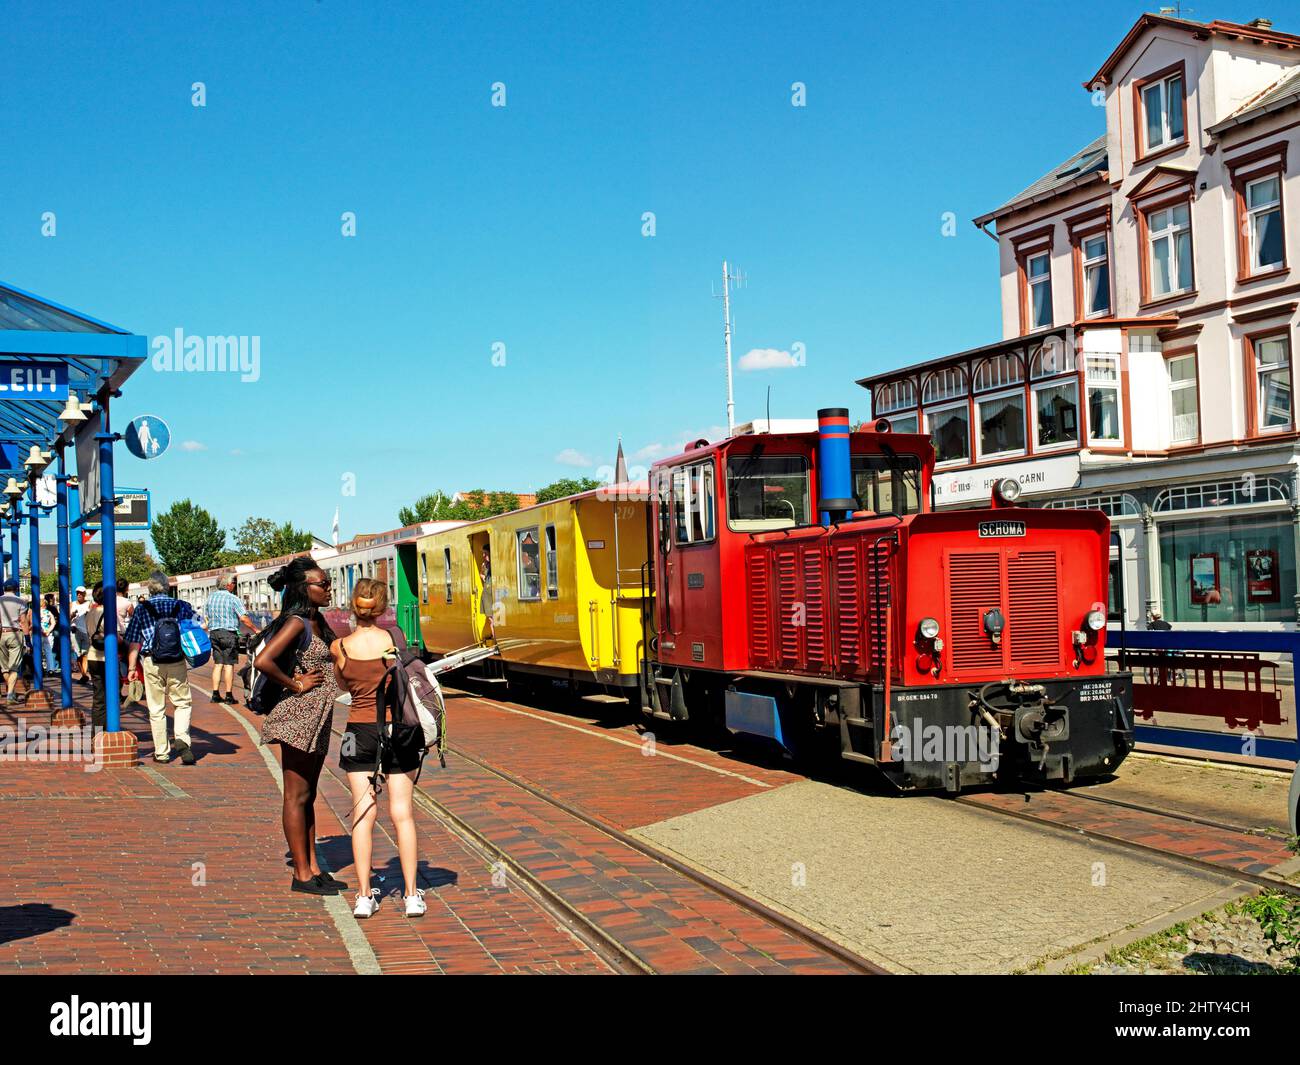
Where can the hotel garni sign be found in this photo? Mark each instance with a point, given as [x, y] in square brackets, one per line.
[1036, 476]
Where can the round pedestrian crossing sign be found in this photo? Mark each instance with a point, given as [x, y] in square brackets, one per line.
[147, 437]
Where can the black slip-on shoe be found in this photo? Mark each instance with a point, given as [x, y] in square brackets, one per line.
[327, 878]
[312, 887]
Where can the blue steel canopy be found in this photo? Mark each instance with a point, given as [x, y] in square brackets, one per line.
[97, 355]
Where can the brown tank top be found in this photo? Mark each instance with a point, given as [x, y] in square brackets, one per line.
[360, 677]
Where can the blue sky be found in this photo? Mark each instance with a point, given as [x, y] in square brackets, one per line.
[518, 225]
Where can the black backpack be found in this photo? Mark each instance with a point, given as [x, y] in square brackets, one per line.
[167, 641]
[262, 692]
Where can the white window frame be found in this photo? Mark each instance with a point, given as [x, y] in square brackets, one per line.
[1166, 130]
[981, 454]
[894, 419]
[695, 486]
[1089, 385]
[446, 570]
[424, 576]
[520, 583]
[1031, 282]
[1096, 262]
[1182, 386]
[1171, 231]
[939, 408]
[552, 541]
[1281, 367]
[1253, 215]
[1042, 386]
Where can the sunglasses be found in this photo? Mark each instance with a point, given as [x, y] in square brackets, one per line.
[326, 583]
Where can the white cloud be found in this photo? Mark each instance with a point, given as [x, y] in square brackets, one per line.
[572, 457]
[193, 445]
[652, 452]
[766, 359]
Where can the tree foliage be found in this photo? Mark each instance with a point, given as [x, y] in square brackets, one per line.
[472, 505]
[187, 538]
[260, 538]
[566, 486]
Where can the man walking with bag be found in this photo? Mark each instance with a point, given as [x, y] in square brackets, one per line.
[154, 636]
[226, 613]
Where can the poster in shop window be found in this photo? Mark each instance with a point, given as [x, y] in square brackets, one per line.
[1261, 576]
[1205, 579]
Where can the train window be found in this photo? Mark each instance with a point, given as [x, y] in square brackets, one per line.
[530, 569]
[390, 572]
[694, 505]
[887, 484]
[552, 565]
[446, 570]
[767, 492]
[424, 577]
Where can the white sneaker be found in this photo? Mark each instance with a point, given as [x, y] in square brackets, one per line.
[415, 904]
[366, 904]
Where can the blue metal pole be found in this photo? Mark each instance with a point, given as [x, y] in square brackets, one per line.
[34, 564]
[108, 534]
[65, 636]
[76, 572]
[13, 540]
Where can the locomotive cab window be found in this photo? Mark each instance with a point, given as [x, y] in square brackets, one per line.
[694, 504]
[767, 492]
[887, 484]
[530, 563]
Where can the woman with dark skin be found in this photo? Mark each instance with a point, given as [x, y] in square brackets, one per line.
[296, 657]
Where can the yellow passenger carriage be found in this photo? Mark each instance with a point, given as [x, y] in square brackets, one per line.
[566, 594]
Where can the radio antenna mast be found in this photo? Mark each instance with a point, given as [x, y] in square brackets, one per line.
[728, 278]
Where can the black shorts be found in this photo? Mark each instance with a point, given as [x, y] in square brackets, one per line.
[225, 647]
[360, 746]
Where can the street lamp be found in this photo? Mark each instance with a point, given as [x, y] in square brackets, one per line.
[73, 411]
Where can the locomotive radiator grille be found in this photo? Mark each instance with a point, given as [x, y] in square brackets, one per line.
[760, 609]
[787, 603]
[974, 587]
[1033, 627]
[847, 607]
[814, 602]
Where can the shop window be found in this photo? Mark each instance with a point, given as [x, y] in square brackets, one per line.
[1184, 406]
[1272, 383]
[1228, 569]
[949, 429]
[767, 492]
[1001, 421]
[529, 553]
[552, 565]
[1104, 426]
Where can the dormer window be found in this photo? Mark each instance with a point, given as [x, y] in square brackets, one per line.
[1163, 106]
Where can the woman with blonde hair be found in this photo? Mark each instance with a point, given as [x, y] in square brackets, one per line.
[360, 661]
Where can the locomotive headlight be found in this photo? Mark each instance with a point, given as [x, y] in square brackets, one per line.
[1096, 620]
[1008, 489]
[929, 628]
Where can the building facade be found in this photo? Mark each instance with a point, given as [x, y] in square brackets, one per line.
[1148, 331]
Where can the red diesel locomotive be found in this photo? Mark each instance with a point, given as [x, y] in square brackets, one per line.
[948, 649]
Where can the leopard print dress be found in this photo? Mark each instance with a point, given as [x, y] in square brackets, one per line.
[303, 721]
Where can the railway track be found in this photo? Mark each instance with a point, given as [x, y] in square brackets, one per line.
[620, 957]
[1136, 827]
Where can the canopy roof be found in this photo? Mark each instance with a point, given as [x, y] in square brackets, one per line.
[98, 357]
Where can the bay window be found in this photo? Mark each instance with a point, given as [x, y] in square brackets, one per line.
[1169, 250]
[1185, 411]
[897, 396]
[949, 429]
[1055, 396]
[1102, 373]
[1001, 421]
